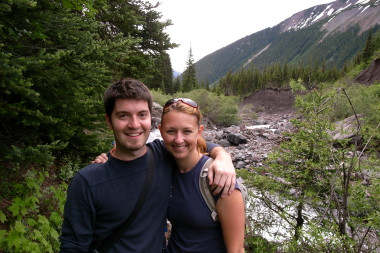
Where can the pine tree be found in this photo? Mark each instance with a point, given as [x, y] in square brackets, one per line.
[368, 48]
[177, 86]
[56, 61]
[189, 80]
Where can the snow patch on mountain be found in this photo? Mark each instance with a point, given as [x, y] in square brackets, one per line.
[342, 12]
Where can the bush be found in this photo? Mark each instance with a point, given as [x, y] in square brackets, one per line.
[33, 219]
[159, 97]
[221, 110]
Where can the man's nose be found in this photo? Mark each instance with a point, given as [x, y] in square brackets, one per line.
[133, 122]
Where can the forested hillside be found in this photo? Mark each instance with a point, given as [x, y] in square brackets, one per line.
[330, 34]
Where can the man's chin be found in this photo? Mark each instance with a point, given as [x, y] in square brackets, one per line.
[136, 147]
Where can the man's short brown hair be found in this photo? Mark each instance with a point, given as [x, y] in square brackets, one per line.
[127, 88]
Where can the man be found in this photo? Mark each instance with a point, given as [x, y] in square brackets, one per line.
[101, 196]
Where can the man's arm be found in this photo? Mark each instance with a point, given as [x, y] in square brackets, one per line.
[221, 175]
[77, 228]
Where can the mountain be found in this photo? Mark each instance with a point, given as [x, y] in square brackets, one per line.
[331, 33]
[176, 73]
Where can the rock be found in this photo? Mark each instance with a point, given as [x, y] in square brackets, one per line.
[236, 139]
[345, 129]
[240, 165]
[224, 143]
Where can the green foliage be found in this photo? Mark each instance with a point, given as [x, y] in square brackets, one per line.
[278, 75]
[221, 110]
[35, 216]
[365, 100]
[189, 80]
[160, 97]
[312, 190]
[56, 60]
[256, 244]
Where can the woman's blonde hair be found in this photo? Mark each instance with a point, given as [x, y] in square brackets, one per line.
[190, 110]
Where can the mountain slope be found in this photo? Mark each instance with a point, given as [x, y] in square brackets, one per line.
[331, 33]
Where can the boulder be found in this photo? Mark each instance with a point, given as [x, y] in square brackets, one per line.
[236, 139]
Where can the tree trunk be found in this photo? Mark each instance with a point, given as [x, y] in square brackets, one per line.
[299, 220]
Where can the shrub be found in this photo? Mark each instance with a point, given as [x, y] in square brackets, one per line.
[33, 219]
[221, 110]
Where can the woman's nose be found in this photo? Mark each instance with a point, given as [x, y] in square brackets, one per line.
[178, 138]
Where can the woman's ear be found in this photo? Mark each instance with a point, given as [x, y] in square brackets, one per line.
[159, 128]
[200, 129]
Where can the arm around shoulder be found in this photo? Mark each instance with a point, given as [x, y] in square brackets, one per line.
[222, 174]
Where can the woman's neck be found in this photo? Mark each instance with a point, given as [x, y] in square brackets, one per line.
[186, 164]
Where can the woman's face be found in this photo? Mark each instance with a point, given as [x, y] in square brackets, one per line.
[180, 132]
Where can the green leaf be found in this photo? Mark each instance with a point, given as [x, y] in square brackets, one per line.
[3, 218]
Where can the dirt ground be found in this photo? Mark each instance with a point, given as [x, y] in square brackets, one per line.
[271, 101]
[371, 74]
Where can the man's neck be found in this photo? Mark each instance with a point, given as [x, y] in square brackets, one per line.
[128, 155]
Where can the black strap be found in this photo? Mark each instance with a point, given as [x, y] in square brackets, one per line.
[115, 236]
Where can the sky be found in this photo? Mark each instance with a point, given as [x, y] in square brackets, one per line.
[208, 25]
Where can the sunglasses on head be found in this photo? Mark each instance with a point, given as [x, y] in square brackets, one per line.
[187, 101]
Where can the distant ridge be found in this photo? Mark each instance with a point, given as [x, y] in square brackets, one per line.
[331, 33]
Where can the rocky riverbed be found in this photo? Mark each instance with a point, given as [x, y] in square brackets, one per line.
[250, 142]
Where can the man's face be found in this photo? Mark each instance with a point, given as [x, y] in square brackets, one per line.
[130, 122]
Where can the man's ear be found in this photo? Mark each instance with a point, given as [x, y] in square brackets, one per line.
[108, 120]
[159, 128]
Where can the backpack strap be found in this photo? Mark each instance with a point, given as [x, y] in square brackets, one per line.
[115, 236]
[209, 198]
[205, 190]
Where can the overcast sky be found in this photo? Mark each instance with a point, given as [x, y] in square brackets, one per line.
[208, 25]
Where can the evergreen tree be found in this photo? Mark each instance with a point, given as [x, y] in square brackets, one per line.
[57, 58]
[189, 80]
[368, 48]
[136, 19]
[177, 86]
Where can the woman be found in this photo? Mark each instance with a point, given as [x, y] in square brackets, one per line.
[193, 229]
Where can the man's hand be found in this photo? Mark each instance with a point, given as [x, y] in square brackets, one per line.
[221, 174]
[102, 158]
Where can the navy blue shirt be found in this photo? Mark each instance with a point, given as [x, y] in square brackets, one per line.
[193, 229]
[101, 196]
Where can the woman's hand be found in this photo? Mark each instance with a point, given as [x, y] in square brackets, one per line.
[102, 158]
